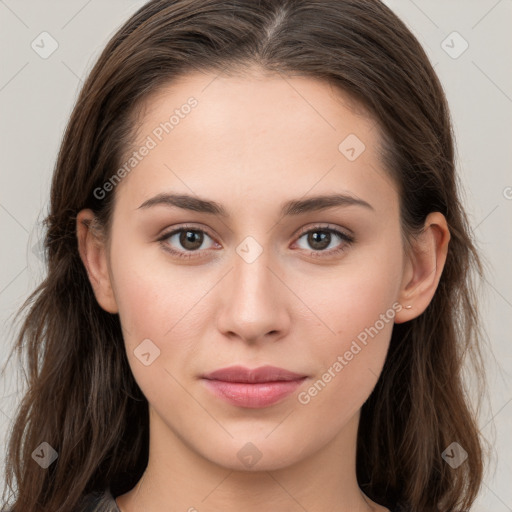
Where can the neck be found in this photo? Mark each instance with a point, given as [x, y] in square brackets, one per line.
[321, 481]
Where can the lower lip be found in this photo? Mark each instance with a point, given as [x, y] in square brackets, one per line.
[255, 395]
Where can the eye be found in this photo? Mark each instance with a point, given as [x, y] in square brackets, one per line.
[187, 239]
[320, 238]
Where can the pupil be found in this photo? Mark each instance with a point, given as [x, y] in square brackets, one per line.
[323, 239]
[187, 237]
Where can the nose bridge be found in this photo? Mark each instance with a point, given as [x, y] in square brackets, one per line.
[253, 281]
[254, 305]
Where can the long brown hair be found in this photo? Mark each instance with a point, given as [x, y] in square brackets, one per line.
[82, 398]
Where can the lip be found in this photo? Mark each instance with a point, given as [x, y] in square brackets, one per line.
[252, 388]
[265, 373]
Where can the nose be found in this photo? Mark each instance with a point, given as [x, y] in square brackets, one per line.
[253, 303]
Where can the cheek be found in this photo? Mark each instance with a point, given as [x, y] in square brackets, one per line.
[159, 302]
[357, 307]
[353, 296]
[152, 294]
[350, 362]
[159, 312]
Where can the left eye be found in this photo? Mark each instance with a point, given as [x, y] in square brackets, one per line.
[319, 239]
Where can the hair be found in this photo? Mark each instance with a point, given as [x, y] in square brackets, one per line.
[82, 398]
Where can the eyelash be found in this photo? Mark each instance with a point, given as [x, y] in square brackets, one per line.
[347, 239]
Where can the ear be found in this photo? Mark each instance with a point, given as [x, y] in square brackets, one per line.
[93, 252]
[423, 267]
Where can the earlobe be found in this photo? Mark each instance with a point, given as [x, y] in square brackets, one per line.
[93, 254]
[424, 267]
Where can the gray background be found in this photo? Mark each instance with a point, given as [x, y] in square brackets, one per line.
[37, 95]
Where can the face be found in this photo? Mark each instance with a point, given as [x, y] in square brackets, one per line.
[247, 281]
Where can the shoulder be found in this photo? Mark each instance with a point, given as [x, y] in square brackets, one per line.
[98, 501]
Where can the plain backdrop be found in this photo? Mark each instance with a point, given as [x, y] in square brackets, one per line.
[468, 41]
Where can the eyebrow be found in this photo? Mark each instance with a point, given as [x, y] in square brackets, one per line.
[292, 207]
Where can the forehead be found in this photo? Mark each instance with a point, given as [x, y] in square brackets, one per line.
[260, 100]
[264, 134]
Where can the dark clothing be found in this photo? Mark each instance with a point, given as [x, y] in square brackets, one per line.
[99, 502]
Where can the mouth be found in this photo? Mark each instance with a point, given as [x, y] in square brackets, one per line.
[257, 375]
[256, 388]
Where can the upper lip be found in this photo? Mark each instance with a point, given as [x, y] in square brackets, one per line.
[262, 374]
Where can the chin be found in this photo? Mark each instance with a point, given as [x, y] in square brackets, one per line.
[258, 453]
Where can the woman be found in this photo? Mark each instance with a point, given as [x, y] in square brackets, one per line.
[259, 284]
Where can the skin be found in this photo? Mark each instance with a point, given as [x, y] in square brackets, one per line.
[288, 308]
